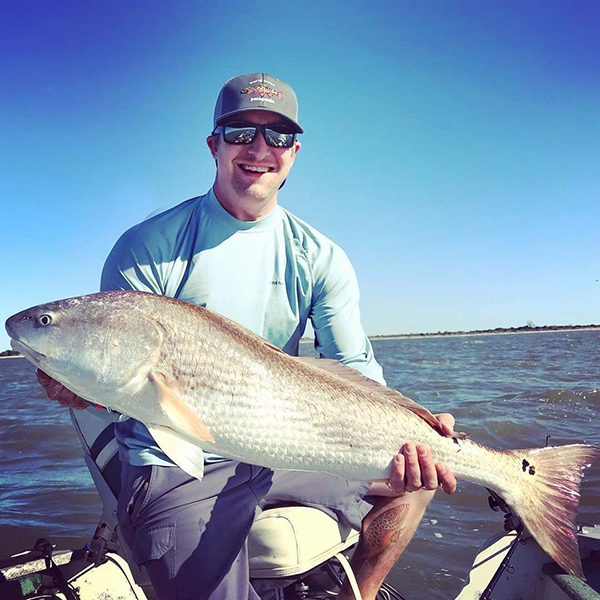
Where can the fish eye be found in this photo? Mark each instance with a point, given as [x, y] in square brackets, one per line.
[44, 320]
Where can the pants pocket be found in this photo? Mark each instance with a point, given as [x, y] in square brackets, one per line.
[155, 549]
[133, 497]
[139, 494]
[153, 543]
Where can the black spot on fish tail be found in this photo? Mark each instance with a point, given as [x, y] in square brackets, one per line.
[531, 467]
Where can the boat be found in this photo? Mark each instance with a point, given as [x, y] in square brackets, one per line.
[509, 566]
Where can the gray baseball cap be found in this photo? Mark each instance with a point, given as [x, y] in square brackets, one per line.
[257, 91]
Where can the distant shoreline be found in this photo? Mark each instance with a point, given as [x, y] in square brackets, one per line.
[499, 331]
[414, 336]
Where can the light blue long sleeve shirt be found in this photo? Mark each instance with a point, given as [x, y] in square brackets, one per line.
[270, 275]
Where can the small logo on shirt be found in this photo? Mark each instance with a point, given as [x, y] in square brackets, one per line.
[274, 282]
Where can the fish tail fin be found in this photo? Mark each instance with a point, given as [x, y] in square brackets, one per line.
[548, 500]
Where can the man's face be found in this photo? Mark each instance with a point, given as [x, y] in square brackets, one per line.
[249, 175]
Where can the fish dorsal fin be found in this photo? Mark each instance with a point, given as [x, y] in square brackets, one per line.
[179, 414]
[341, 370]
[186, 455]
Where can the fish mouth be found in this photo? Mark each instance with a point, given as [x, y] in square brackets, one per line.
[29, 353]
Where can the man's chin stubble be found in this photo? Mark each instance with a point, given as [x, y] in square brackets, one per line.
[254, 195]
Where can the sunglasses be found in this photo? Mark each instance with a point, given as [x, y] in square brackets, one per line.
[276, 135]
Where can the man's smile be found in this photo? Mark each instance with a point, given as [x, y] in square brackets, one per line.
[255, 168]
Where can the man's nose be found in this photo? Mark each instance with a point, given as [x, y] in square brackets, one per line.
[258, 148]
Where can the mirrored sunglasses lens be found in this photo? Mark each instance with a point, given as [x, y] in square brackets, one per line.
[278, 139]
[239, 135]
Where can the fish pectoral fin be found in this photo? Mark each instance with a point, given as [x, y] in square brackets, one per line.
[341, 370]
[185, 454]
[179, 414]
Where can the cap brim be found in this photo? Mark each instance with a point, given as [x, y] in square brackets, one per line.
[228, 116]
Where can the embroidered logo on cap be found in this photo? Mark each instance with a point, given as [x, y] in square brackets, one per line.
[262, 91]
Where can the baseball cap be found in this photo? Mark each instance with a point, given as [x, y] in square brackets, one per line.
[257, 91]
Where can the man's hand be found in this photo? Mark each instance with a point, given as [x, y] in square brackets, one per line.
[413, 468]
[57, 391]
[447, 422]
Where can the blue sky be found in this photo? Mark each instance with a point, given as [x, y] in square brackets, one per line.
[451, 148]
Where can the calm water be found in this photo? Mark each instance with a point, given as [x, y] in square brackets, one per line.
[507, 391]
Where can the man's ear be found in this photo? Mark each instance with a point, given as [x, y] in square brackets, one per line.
[212, 141]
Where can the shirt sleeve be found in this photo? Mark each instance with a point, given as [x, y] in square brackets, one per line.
[335, 315]
[131, 266]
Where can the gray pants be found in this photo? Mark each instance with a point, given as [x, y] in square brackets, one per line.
[191, 535]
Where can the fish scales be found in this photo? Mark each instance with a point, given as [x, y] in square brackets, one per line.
[293, 407]
[257, 398]
[198, 380]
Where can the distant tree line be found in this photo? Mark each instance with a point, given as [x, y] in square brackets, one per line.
[9, 353]
[528, 327]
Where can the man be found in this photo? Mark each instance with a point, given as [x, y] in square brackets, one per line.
[236, 251]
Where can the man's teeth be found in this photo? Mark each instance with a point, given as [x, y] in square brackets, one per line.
[256, 169]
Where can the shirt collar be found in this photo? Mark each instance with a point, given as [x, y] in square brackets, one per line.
[221, 215]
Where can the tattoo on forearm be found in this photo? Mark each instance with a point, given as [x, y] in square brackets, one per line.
[381, 533]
